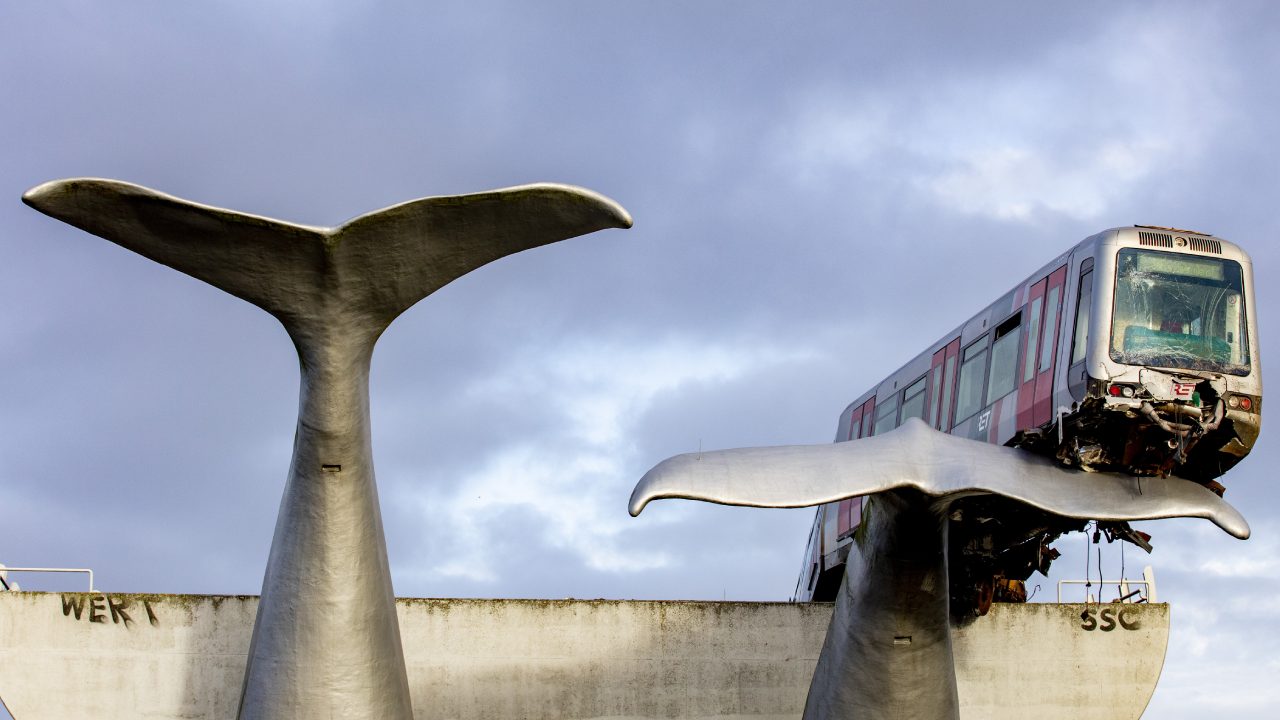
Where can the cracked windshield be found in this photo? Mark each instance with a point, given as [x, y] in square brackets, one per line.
[1179, 311]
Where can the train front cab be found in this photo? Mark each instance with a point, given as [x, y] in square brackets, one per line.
[1169, 383]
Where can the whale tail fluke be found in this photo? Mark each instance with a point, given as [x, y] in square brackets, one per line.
[245, 255]
[422, 245]
[375, 266]
[939, 465]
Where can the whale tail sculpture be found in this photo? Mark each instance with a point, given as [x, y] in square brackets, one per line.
[326, 642]
[375, 266]
[888, 649]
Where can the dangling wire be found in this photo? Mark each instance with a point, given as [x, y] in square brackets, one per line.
[1100, 575]
[1097, 537]
[1088, 578]
[1121, 587]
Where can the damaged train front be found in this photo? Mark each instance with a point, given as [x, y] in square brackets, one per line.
[1180, 391]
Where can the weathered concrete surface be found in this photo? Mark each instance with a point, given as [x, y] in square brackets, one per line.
[1041, 660]
[169, 656]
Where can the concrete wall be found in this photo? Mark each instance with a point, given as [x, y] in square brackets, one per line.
[168, 656]
[1042, 660]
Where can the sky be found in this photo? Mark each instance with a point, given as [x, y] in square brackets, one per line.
[820, 191]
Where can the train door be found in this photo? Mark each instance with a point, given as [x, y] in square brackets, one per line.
[848, 516]
[849, 513]
[1076, 372]
[1031, 354]
[942, 381]
[855, 424]
[1042, 409]
[849, 510]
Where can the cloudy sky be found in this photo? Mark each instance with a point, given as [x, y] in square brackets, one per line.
[819, 191]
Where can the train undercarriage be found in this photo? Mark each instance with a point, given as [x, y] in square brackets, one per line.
[1185, 424]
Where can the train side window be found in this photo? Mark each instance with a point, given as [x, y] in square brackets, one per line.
[973, 370]
[1084, 307]
[913, 400]
[1050, 325]
[1004, 358]
[855, 429]
[1033, 332]
[886, 415]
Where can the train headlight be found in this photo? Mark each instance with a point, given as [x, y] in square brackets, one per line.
[1240, 402]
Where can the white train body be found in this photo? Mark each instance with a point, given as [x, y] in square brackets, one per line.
[1135, 351]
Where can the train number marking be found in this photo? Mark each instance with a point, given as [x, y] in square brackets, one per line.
[984, 421]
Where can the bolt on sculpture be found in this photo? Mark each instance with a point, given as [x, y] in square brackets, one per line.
[888, 652]
[326, 642]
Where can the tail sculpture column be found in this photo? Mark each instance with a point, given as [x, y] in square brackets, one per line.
[888, 652]
[326, 642]
[891, 626]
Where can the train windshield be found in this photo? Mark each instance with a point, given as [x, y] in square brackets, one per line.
[1179, 311]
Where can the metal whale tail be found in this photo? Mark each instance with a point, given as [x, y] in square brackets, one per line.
[335, 290]
[935, 463]
[371, 268]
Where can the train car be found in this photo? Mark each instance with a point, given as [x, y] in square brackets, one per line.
[1135, 351]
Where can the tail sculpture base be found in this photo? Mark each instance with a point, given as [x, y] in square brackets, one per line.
[326, 642]
[891, 624]
[328, 546]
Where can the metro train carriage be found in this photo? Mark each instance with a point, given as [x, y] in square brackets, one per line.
[1135, 351]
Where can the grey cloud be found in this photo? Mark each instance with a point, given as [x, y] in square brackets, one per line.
[148, 419]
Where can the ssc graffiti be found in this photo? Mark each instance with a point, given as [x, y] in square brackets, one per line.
[1107, 619]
